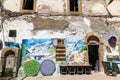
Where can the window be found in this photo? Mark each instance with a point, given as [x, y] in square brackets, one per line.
[12, 33]
[74, 6]
[60, 41]
[28, 6]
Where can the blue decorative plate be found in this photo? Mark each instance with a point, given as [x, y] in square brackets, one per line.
[47, 67]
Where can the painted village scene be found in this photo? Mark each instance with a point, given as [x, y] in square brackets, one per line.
[59, 39]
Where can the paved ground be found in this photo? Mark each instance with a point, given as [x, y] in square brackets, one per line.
[93, 76]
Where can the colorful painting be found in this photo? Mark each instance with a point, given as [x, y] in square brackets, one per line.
[37, 48]
[44, 49]
[11, 44]
[72, 47]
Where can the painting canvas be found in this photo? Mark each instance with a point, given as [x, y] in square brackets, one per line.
[72, 47]
[44, 48]
[37, 48]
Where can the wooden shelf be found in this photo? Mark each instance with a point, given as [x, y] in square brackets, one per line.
[60, 50]
[61, 59]
[60, 46]
[60, 53]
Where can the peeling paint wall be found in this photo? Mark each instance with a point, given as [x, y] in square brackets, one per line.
[70, 27]
[48, 6]
[42, 5]
[22, 27]
[38, 26]
[59, 6]
[94, 18]
[98, 7]
[34, 26]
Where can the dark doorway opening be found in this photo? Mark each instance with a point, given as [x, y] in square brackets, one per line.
[93, 56]
[28, 4]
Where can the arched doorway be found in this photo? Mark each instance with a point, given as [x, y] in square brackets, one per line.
[10, 59]
[9, 63]
[95, 50]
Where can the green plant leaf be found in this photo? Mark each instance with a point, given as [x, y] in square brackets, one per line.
[84, 48]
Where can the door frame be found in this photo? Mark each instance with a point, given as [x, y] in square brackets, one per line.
[101, 47]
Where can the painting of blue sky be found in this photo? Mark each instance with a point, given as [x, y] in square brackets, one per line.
[45, 47]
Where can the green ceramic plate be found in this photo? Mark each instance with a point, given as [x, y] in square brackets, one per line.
[31, 68]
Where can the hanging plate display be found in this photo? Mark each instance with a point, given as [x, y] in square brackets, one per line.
[31, 68]
[47, 67]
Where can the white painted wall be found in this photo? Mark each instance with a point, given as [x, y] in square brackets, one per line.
[98, 8]
[13, 5]
[50, 5]
[80, 27]
[22, 27]
[42, 5]
[77, 29]
[114, 7]
[59, 6]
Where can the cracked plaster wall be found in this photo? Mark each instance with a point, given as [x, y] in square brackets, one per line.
[59, 27]
[62, 23]
[71, 27]
[42, 5]
[59, 6]
[39, 27]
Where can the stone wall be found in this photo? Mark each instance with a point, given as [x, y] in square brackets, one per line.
[90, 7]
[50, 20]
[94, 18]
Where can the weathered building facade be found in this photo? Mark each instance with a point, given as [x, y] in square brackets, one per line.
[92, 22]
